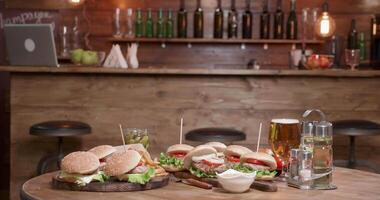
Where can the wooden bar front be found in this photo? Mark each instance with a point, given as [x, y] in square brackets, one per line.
[157, 98]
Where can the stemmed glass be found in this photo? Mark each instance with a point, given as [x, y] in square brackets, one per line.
[352, 57]
[284, 135]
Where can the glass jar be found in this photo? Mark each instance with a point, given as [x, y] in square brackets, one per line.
[137, 136]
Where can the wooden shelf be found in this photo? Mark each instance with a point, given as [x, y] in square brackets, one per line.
[211, 41]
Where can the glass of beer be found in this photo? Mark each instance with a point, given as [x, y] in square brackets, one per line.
[284, 135]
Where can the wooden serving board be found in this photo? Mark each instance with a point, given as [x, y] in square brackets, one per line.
[265, 186]
[114, 186]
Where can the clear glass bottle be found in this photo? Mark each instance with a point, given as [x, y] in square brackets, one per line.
[293, 176]
[307, 136]
[77, 37]
[305, 170]
[117, 32]
[129, 32]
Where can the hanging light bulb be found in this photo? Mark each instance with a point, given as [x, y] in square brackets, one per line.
[325, 25]
[76, 2]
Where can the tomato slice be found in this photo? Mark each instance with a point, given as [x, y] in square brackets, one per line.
[211, 164]
[256, 162]
[178, 154]
[102, 160]
[140, 164]
[235, 159]
[279, 163]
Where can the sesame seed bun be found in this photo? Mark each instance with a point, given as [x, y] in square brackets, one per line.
[180, 148]
[220, 147]
[80, 162]
[264, 157]
[102, 151]
[121, 163]
[236, 150]
[198, 151]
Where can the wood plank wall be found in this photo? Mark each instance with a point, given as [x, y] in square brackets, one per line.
[158, 102]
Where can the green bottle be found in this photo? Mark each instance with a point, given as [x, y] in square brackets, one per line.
[170, 25]
[149, 25]
[160, 32]
[139, 25]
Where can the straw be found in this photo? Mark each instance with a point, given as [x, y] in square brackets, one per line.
[180, 132]
[122, 136]
[258, 140]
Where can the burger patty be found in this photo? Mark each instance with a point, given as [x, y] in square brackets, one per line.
[209, 169]
[256, 167]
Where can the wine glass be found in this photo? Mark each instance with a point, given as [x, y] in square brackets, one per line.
[352, 57]
[284, 135]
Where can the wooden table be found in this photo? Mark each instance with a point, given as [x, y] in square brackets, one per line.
[352, 184]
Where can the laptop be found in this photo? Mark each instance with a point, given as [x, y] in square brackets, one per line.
[30, 44]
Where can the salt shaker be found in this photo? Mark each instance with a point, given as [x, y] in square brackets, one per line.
[293, 178]
[305, 169]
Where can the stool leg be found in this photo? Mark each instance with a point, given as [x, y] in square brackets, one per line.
[352, 158]
[60, 152]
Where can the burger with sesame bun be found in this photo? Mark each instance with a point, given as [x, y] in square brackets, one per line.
[219, 147]
[172, 160]
[203, 162]
[81, 168]
[103, 152]
[264, 164]
[234, 152]
[129, 166]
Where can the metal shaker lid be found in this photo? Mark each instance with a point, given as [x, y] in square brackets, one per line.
[323, 129]
[294, 153]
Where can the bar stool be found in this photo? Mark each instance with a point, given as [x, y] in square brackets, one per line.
[353, 129]
[58, 129]
[223, 135]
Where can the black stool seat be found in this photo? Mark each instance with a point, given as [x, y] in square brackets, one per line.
[224, 135]
[58, 129]
[353, 129]
[356, 128]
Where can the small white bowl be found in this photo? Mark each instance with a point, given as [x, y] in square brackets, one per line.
[235, 181]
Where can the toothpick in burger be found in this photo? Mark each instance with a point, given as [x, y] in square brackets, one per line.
[172, 161]
[81, 168]
[203, 162]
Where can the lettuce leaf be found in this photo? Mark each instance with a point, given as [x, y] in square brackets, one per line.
[259, 173]
[142, 178]
[170, 161]
[200, 174]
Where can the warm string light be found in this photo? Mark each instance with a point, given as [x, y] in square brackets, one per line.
[325, 26]
[76, 2]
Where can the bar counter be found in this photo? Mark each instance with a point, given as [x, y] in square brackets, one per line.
[157, 98]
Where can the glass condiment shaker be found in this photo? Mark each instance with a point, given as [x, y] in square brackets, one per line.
[307, 136]
[293, 178]
[305, 170]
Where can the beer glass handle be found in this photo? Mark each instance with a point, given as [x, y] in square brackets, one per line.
[308, 112]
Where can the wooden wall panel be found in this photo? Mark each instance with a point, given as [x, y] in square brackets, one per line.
[158, 102]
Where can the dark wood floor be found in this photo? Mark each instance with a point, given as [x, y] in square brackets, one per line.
[4, 135]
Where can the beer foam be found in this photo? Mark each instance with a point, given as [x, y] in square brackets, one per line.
[285, 121]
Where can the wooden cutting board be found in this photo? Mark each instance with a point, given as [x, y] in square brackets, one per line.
[265, 186]
[114, 186]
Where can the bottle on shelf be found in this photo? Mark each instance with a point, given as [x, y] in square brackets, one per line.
[139, 24]
[169, 25]
[160, 25]
[278, 29]
[352, 42]
[362, 46]
[265, 22]
[375, 41]
[232, 21]
[247, 21]
[218, 21]
[149, 24]
[182, 21]
[198, 21]
[292, 23]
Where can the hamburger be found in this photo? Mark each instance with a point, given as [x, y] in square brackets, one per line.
[172, 161]
[203, 162]
[234, 152]
[81, 168]
[219, 147]
[103, 152]
[264, 164]
[129, 166]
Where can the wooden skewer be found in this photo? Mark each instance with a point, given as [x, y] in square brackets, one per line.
[258, 140]
[122, 136]
[180, 132]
